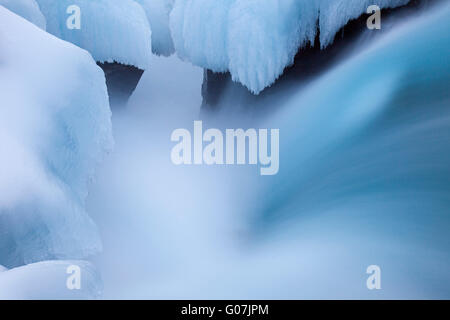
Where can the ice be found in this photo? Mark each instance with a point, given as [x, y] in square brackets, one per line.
[27, 9]
[111, 30]
[158, 12]
[334, 14]
[263, 39]
[55, 126]
[199, 31]
[256, 40]
[48, 280]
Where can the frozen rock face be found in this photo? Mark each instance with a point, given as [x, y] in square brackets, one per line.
[111, 30]
[256, 40]
[27, 9]
[48, 280]
[55, 126]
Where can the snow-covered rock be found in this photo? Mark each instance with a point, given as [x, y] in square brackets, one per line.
[256, 40]
[27, 9]
[49, 279]
[55, 125]
[158, 12]
[111, 30]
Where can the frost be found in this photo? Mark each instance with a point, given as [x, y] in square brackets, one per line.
[256, 40]
[50, 144]
[27, 9]
[111, 30]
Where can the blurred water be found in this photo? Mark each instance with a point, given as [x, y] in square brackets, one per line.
[364, 179]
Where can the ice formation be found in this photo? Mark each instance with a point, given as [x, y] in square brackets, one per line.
[158, 12]
[111, 30]
[334, 14]
[256, 40]
[48, 280]
[55, 125]
[27, 9]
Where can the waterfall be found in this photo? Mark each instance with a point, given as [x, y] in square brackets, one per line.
[363, 179]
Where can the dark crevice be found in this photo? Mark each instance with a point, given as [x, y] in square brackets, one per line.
[121, 81]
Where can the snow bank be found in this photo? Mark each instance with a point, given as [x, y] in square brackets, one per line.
[111, 30]
[255, 40]
[27, 9]
[54, 128]
[48, 280]
[158, 12]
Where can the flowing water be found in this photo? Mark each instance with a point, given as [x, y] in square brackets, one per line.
[364, 179]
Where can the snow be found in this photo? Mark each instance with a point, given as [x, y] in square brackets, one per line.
[55, 126]
[111, 30]
[48, 280]
[257, 40]
[27, 9]
[158, 12]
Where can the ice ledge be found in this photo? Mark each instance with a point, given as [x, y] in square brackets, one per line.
[255, 41]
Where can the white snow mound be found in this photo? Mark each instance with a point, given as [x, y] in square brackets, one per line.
[55, 126]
